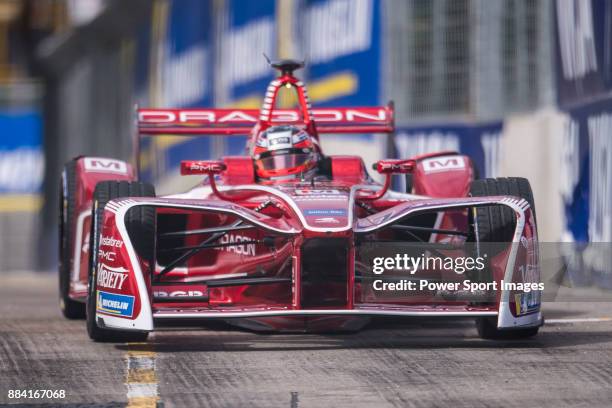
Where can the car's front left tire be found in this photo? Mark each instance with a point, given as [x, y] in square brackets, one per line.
[141, 227]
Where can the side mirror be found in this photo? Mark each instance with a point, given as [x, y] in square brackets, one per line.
[390, 166]
[189, 167]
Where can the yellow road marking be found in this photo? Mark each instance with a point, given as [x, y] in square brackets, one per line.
[578, 320]
[141, 378]
[142, 402]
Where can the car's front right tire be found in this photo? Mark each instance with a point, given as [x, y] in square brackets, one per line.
[496, 224]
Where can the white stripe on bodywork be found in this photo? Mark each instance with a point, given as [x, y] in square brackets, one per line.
[126, 204]
[144, 320]
[78, 246]
[287, 198]
[319, 312]
[209, 277]
[441, 206]
[506, 319]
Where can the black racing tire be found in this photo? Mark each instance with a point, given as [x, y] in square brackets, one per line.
[487, 329]
[496, 224]
[140, 223]
[409, 183]
[71, 309]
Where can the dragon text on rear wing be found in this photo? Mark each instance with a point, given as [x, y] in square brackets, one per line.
[377, 119]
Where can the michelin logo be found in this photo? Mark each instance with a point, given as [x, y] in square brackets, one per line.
[115, 304]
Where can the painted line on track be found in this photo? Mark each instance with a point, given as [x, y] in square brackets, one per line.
[579, 320]
[141, 378]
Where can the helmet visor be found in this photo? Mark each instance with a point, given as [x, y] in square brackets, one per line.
[284, 161]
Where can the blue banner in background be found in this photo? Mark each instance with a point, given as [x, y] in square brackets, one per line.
[186, 81]
[587, 163]
[584, 87]
[250, 33]
[583, 49]
[187, 75]
[22, 161]
[587, 192]
[244, 73]
[341, 42]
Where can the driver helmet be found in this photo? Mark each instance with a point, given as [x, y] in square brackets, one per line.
[284, 152]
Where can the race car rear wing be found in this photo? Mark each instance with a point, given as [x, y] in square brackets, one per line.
[248, 122]
[372, 119]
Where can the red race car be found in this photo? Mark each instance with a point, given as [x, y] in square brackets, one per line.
[287, 238]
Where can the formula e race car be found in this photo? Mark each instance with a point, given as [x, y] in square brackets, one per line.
[322, 248]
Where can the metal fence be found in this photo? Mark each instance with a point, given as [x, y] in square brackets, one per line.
[467, 59]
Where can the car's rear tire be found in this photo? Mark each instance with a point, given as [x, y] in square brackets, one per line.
[70, 308]
[140, 223]
[496, 224]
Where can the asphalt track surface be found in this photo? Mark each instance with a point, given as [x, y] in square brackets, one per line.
[420, 363]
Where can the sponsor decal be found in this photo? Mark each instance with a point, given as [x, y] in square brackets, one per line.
[107, 255]
[395, 166]
[318, 198]
[279, 140]
[160, 116]
[326, 220]
[325, 211]
[178, 293]
[101, 165]
[319, 195]
[306, 192]
[527, 302]
[111, 278]
[443, 164]
[111, 242]
[202, 166]
[244, 249]
[115, 304]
